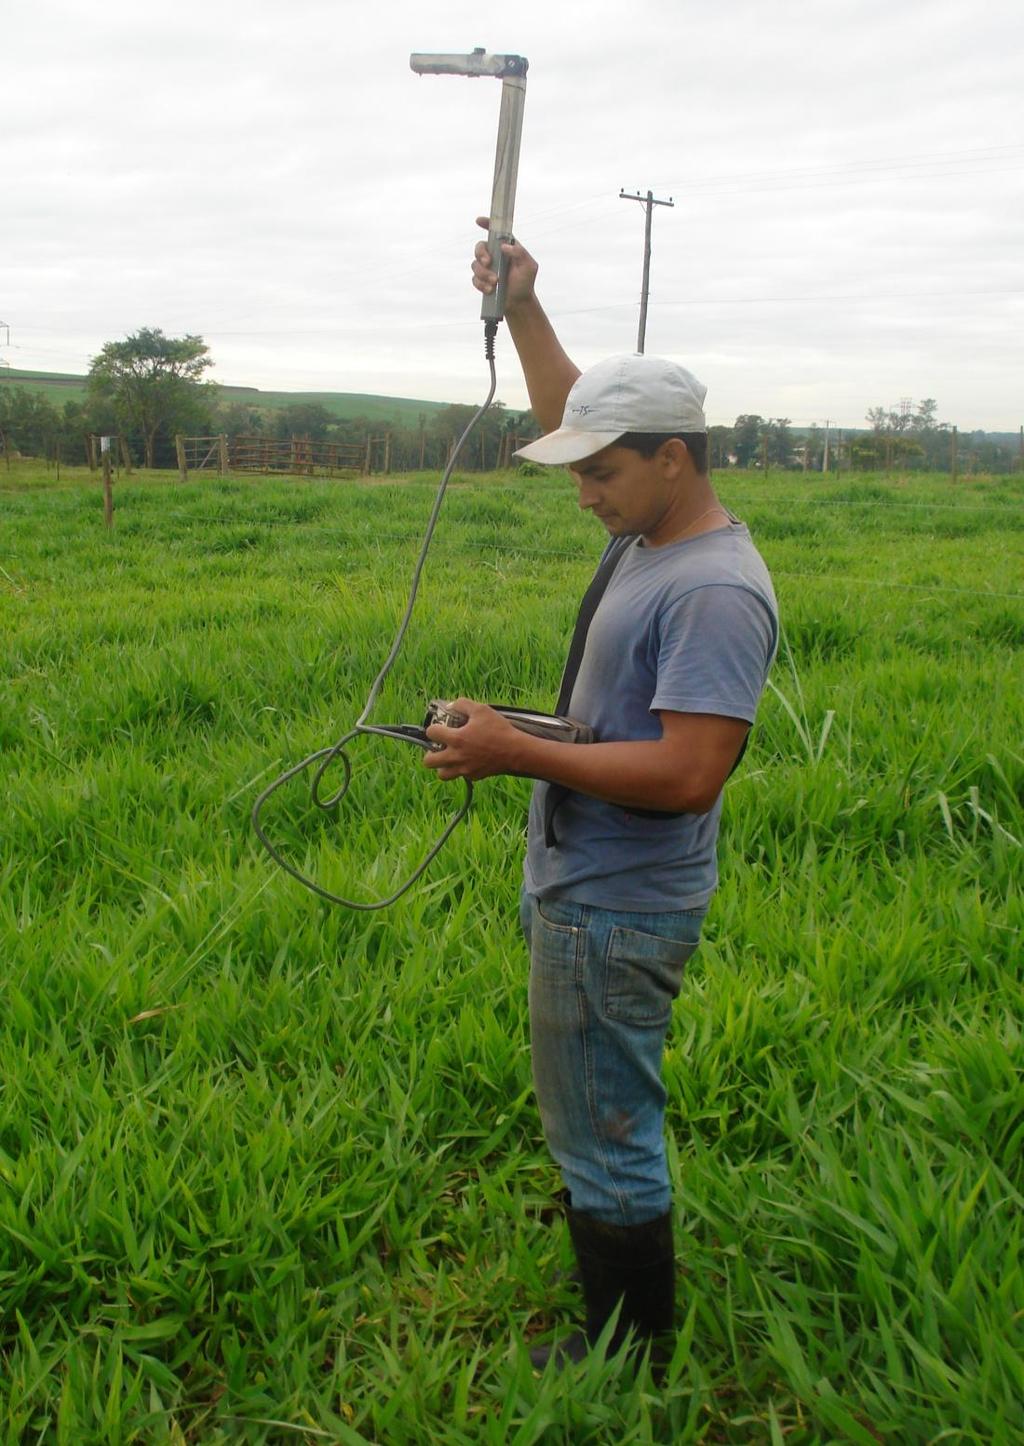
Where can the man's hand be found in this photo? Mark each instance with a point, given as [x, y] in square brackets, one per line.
[548, 371]
[521, 270]
[483, 746]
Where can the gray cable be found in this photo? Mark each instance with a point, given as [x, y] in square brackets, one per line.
[361, 726]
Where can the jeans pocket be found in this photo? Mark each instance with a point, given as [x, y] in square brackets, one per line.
[561, 913]
[525, 915]
[557, 942]
[643, 974]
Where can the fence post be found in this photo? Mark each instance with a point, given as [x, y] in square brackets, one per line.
[366, 459]
[952, 456]
[223, 453]
[108, 491]
[179, 447]
[387, 453]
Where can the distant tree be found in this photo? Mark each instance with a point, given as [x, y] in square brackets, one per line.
[931, 435]
[813, 450]
[481, 451]
[240, 419]
[720, 446]
[882, 449]
[746, 438]
[905, 437]
[982, 452]
[152, 381]
[29, 423]
[304, 419]
[777, 442]
[868, 452]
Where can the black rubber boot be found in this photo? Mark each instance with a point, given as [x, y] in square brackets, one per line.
[631, 1263]
[559, 1209]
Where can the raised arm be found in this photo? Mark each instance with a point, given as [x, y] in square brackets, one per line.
[549, 372]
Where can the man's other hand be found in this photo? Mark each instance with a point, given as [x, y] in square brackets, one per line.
[480, 748]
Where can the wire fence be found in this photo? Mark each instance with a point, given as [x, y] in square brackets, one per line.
[519, 484]
[315, 526]
[515, 549]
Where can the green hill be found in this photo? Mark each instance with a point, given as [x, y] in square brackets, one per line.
[339, 404]
[56, 387]
[60, 387]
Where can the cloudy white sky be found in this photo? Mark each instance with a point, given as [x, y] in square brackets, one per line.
[848, 177]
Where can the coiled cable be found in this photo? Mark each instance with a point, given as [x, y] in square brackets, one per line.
[399, 732]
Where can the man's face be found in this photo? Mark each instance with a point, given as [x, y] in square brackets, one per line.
[630, 493]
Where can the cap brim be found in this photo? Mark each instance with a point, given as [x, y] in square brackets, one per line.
[568, 444]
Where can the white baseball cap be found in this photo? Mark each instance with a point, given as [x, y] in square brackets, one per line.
[623, 394]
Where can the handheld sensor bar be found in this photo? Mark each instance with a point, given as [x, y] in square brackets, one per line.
[511, 71]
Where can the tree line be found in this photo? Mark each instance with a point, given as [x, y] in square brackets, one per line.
[902, 438]
[148, 387]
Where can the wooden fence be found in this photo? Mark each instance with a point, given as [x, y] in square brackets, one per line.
[201, 454]
[290, 456]
[302, 457]
[123, 457]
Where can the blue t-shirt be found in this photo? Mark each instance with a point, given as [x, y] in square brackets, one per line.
[690, 627]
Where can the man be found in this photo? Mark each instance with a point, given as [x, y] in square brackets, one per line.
[621, 852]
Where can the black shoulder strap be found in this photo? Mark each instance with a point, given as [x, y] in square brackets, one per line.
[557, 793]
[610, 560]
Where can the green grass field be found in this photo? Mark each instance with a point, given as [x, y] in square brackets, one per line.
[272, 1172]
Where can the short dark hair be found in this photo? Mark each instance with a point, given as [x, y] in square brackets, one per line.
[647, 443]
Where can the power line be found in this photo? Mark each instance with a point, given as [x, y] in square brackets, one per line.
[841, 173]
[771, 300]
[432, 323]
[905, 166]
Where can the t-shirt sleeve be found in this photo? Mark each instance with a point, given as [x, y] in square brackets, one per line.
[714, 646]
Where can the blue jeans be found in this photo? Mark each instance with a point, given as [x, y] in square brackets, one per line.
[602, 984]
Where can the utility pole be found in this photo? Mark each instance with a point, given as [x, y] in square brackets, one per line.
[647, 202]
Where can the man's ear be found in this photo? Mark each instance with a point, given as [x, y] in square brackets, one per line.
[675, 456]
